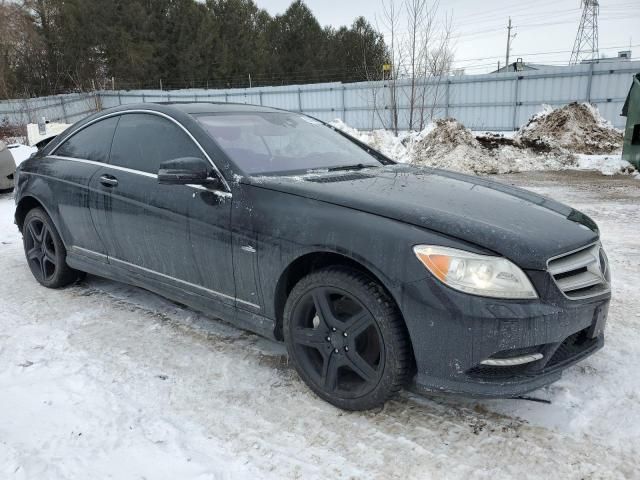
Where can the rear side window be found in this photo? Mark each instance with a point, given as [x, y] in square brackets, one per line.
[143, 141]
[91, 143]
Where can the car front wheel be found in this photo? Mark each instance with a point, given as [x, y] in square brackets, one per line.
[346, 338]
[45, 251]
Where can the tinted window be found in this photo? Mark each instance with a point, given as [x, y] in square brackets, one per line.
[635, 138]
[91, 143]
[143, 141]
[266, 143]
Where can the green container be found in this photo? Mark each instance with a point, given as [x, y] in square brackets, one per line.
[631, 110]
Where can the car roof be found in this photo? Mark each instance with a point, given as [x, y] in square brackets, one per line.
[217, 107]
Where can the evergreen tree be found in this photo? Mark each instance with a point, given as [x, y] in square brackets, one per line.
[53, 46]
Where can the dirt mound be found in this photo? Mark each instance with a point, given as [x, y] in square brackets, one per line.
[447, 134]
[576, 128]
[451, 146]
[493, 141]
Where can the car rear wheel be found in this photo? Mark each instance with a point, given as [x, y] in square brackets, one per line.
[346, 338]
[45, 251]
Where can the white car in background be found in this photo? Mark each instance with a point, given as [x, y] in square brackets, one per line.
[7, 168]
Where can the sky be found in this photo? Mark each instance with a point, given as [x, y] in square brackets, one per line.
[545, 29]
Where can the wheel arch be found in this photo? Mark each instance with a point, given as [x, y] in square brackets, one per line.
[312, 261]
[28, 203]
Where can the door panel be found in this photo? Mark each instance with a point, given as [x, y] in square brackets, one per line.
[144, 224]
[178, 235]
[69, 169]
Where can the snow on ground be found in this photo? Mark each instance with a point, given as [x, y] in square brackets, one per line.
[103, 380]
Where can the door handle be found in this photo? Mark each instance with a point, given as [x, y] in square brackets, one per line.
[109, 181]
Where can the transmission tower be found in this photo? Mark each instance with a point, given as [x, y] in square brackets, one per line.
[586, 45]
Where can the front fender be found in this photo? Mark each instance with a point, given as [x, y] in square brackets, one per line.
[288, 227]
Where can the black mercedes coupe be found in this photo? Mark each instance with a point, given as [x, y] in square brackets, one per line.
[376, 275]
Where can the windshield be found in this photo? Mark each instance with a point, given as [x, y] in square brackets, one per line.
[281, 143]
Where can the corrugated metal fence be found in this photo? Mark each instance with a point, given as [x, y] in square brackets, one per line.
[501, 101]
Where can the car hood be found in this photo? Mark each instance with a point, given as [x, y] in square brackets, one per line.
[520, 225]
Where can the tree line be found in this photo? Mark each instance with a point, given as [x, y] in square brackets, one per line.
[58, 46]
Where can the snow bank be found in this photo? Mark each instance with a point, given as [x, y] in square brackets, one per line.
[447, 144]
[382, 140]
[607, 165]
[451, 146]
[576, 127]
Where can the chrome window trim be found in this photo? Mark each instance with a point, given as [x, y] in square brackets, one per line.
[153, 272]
[152, 112]
[607, 285]
[137, 172]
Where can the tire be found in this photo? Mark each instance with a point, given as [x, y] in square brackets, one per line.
[45, 252]
[346, 338]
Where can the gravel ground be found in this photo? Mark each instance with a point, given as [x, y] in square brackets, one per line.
[102, 380]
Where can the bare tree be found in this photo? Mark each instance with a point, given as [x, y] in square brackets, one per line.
[391, 21]
[437, 66]
[421, 60]
[419, 23]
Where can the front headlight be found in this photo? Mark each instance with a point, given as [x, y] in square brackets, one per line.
[476, 274]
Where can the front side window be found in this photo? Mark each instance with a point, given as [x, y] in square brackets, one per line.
[143, 141]
[281, 143]
[90, 143]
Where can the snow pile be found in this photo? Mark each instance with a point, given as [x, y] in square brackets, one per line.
[451, 146]
[607, 165]
[447, 144]
[577, 128]
[382, 140]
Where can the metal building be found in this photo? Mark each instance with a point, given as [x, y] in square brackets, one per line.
[631, 110]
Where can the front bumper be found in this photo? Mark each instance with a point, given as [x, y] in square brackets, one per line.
[452, 333]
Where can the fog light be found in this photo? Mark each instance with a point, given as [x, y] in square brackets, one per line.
[509, 362]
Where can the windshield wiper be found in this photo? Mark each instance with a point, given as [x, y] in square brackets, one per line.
[358, 166]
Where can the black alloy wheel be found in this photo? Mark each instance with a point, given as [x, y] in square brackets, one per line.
[40, 249]
[346, 339]
[45, 251]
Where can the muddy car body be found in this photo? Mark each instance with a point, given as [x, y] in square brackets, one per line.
[375, 274]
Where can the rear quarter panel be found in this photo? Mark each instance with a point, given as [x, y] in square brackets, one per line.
[61, 186]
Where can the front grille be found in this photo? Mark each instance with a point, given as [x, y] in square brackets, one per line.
[582, 273]
[488, 372]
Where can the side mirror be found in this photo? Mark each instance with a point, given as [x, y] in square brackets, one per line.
[186, 171]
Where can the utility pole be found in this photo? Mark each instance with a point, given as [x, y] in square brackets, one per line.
[585, 46]
[509, 38]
